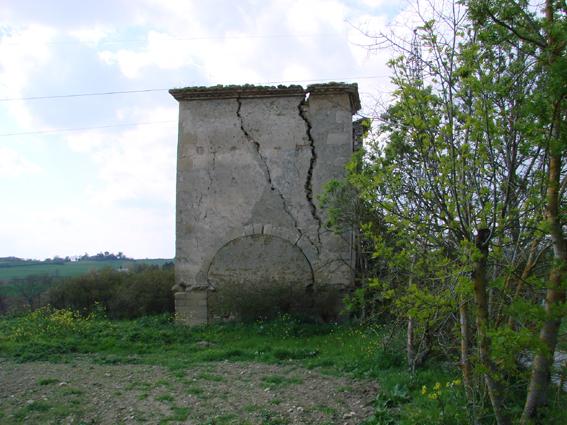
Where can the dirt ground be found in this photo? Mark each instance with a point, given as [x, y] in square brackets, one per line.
[213, 393]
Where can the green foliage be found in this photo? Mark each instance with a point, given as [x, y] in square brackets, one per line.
[146, 292]
[458, 177]
[121, 295]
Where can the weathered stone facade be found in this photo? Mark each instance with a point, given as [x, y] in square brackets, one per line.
[251, 164]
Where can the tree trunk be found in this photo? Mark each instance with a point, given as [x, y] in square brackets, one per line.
[466, 367]
[410, 343]
[555, 295]
[410, 349]
[482, 324]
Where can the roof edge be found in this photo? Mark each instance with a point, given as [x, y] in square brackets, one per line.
[235, 91]
[332, 88]
[252, 91]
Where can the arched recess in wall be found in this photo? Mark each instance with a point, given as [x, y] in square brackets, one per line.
[260, 260]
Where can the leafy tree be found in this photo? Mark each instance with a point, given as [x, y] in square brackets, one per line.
[544, 37]
[468, 181]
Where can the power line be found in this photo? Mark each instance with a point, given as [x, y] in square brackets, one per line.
[189, 38]
[106, 93]
[66, 130]
[60, 96]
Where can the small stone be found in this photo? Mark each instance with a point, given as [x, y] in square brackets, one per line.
[349, 415]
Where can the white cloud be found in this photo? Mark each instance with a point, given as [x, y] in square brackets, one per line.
[23, 51]
[14, 164]
[242, 53]
[91, 35]
[136, 166]
[161, 51]
[313, 17]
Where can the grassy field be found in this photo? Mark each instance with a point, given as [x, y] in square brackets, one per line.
[74, 268]
[327, 350]
[191, 374]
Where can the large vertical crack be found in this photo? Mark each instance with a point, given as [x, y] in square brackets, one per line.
[309, 180]
[266, 168]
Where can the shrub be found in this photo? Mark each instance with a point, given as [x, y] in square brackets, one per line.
[144, 293]
[82, 293]
[121, 295]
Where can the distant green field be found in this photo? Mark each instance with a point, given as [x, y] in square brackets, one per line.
[74, 268]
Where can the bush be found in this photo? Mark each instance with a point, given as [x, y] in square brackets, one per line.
[82, 293]
[144, 293]
[121, 295]
[249, 302]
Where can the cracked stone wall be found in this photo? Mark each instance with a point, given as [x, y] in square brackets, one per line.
[251, 164]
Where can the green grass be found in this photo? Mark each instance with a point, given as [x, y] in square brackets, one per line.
[280, 381]
[156, 340]
[39, 411]
[70, 269]
[179, 414]
[210, 377]
[329, 349]
[194, 390]
[165, 397]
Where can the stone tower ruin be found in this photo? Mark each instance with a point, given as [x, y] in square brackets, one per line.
[251, 163]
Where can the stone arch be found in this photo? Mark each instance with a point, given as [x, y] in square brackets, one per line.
[260, 257]
[266, 271]
[291, 235]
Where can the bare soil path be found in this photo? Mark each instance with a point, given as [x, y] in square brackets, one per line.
[81, 392]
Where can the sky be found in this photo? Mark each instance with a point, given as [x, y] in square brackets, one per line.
[97, 173]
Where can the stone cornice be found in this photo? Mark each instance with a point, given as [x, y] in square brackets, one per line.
[251, 91]
[337, 88]
[232, 92]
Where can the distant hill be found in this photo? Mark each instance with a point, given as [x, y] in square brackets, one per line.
[13, 267]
